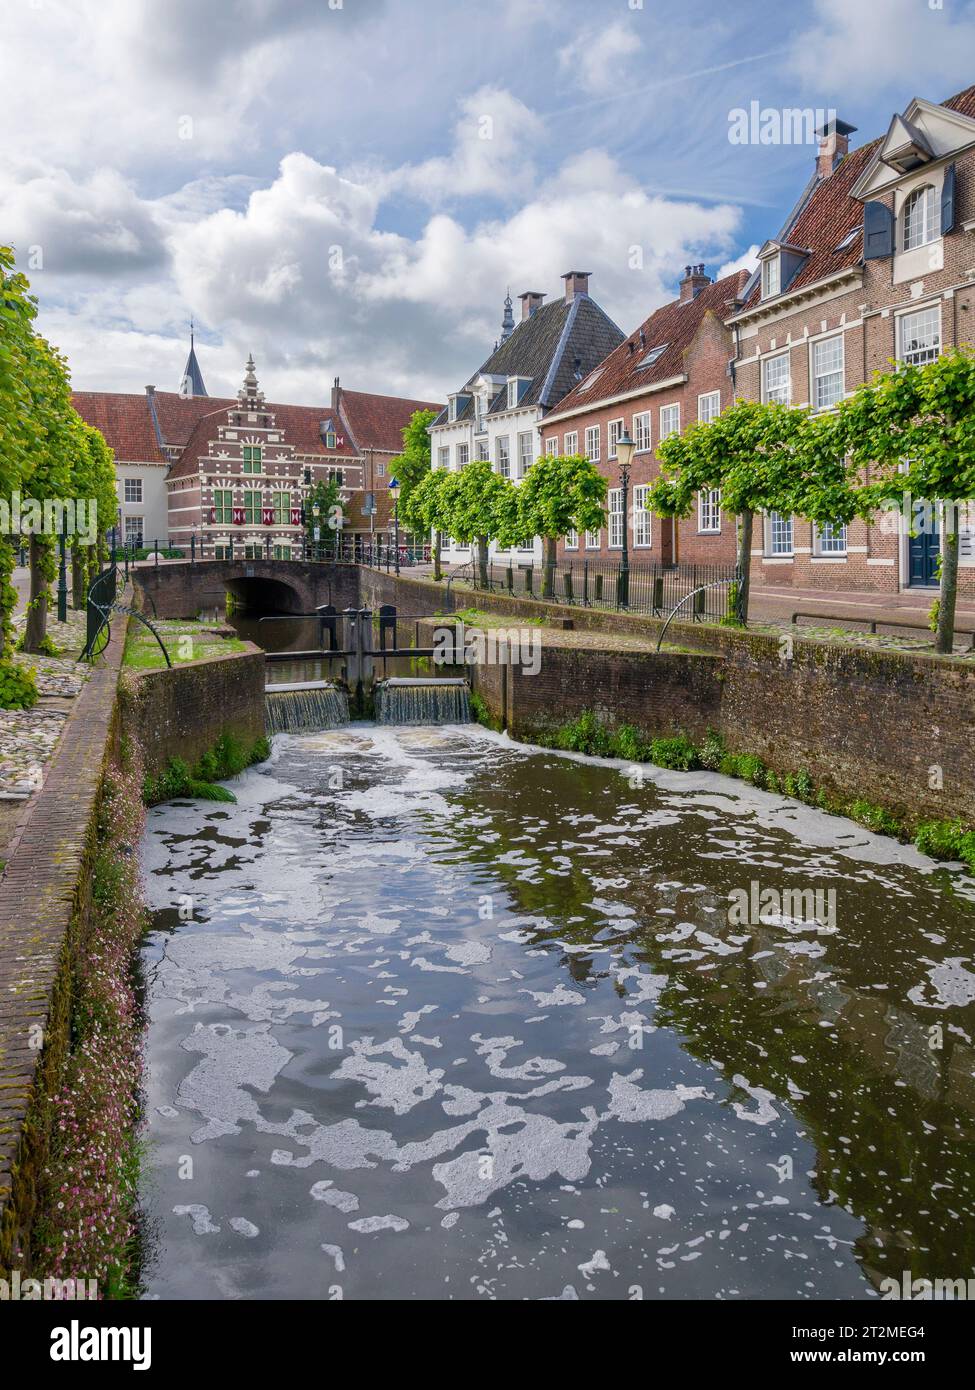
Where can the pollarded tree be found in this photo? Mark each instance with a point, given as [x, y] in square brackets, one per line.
[48, 476]
[93, 480]
[915, 428]
[325, 496]
[479, 505]
[410, 469]
[557, 495]
[764, 457]
[18, 428]
[426, 509]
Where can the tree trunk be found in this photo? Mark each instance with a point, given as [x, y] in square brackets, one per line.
[36, 629]
[482, 561]
[945, 635]
[437, 543]
[78, 587]
[549, 544]
[745, 525]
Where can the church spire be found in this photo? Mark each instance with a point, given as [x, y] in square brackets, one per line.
[508, 322]
[192, 382]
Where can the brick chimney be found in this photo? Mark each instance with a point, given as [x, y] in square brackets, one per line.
[694, 281]
[834, 145]
[530, 301]
[336, 396]
[576, 283]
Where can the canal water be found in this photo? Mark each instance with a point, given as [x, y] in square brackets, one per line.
[438, 1016]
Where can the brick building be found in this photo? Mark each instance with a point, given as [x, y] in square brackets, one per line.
[875, 263]
[201, 469]
[672, 370]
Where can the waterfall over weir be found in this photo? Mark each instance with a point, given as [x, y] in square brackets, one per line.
[408, 700]
[304, 707]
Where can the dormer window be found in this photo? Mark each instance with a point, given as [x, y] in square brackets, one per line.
[771, 277]
[652, 356]
[517, 388]
[922, 218]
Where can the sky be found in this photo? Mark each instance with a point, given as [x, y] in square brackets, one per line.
[349, 187]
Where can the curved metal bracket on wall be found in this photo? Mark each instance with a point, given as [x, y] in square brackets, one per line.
[716, 584]
[460, 572]
[101, 606]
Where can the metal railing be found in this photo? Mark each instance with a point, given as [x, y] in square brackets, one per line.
[651, 589]
[101, 602]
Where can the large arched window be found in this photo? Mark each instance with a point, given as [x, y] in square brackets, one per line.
[922, 218]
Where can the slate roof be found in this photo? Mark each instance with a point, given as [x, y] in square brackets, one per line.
[192, 373]
[672, 327]
[830, 214]
[552, 347]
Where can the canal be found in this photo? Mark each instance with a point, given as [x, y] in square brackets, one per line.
[438, 1016]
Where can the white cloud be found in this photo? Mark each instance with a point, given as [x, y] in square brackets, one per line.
[747, 261]
[597, 57]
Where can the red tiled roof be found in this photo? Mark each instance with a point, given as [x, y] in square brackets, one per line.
[830, 214]
[124, 421]
[178, 414]
[673, 325]
[377, 422]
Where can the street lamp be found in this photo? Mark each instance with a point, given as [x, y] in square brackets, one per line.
[394, 489]
[624, 455]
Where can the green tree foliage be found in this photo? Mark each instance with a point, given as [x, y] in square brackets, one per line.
[413, 464]
[18, 428]
[325, 496]
[914, 429]
[426, 509]
[480, 507]
[558, 495]
[48, 475]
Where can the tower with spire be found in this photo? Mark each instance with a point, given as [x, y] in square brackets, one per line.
[192, 382]
[250, 396]
[508, 322]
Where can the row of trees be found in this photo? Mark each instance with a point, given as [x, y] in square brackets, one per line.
[905, 439]
[48, 455]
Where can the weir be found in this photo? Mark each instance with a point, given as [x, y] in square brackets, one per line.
[411, 700]
[304, 706]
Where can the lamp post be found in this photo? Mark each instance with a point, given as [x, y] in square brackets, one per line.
[394, 489]
[624, 455]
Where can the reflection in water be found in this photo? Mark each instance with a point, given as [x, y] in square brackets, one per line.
[457, 1019]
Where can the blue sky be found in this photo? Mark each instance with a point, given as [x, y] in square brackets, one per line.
[348, 187]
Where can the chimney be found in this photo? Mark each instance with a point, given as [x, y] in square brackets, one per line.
[693, 282]
[834, 145]
[150, 390]
[530, 301]
[576, 283]
[336, 396]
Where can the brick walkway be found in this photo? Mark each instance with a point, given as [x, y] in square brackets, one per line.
[38, 893]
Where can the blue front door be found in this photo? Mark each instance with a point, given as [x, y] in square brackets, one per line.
[922, 553]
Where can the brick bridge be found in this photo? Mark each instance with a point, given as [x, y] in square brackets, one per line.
[184, 588]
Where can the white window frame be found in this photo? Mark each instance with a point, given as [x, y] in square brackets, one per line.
[919, 355]
[593, 442]
[594, 540]
[667, 412]
[443, 456]
[136, 485]
[777, 529]
[642, 521]
[481, 453]
[643, 431]
[775, 360]
[616, 519]
[614, 429]
[380, 470]
[463, 455]
[820, 376]
[552, 446]
[831, 540]
[571, 539]
[570, 444]
[525, 460]
[709, 512]
[708, 406]
[921, 230]
[771, 276]
[502, 455]
[135, 526]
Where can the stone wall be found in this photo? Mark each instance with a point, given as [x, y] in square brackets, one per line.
[180, 713]
[181, 589]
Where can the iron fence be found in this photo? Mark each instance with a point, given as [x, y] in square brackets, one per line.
[653, 589]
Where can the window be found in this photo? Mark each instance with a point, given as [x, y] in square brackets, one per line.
[615, 429]
[709, 510]
[669, 420]
[641, 431]
[335, 475]
[526, 452]
[922, 218]
[253, 552]
[779, 534]
[572, 540]
[709, 407]
[776, 385]
[221, 552]
[827, 366]
[443, 457]
[831, 538]
[571, 444]
[282, 552]
[252, 458]
[652, 356]
[591, 379]
[503, 456]
[463, 455]
[615, 518]
[380, 470]
[552, 446]
[592, 540]
[481, 450]
[771, 277]
[920, 336]
[133, 489]
[134, 529]
[641, 517]
[252, 508]
[592, 443]
[282, 508]
[223, 506]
